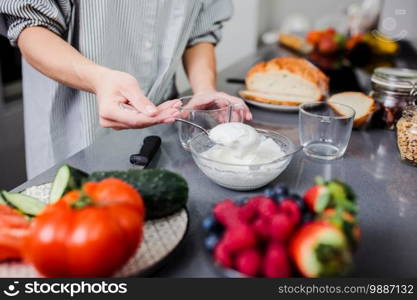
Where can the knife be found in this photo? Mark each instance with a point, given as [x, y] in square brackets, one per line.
[146, 153]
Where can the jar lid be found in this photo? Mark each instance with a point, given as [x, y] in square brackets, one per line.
[396, 78]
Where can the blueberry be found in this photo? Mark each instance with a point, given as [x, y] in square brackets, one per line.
[211, 241]
[307, 217]
[278, 198]
[300, 201]
[241, 201]
[269, 193]
[210, 224]
[281, 190]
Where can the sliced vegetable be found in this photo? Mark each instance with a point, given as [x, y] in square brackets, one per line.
[2, 201]
[27, 205]
[66, 179]
[13, 228]
[164, 192]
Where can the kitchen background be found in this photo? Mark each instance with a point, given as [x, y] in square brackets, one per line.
[242, 35]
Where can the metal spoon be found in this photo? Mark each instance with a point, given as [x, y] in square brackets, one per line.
[193, 124]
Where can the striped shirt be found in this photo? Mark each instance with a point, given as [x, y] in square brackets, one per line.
[145, 38]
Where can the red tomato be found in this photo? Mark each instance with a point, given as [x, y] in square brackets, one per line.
[13, 228]
[88, 233]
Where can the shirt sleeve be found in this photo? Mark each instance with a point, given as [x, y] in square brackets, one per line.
[17, 15]
[208, 25]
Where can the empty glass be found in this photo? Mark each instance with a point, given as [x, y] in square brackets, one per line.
[207, 114]
[325, 129]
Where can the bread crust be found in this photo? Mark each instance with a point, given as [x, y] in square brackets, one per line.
[361, 121]
[296, 66]
[249, 96]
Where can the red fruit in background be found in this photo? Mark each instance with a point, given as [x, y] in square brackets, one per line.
[280, 228]
[314, 36]
[328, 45]
[261, 227]
[247, 213]
[276, 262]
[317, 198]
[249, 262]
[291, 209]
[320, 249]
[330, 31]
[227, 213]
[239, 237]
[222, 255]
[267, 207]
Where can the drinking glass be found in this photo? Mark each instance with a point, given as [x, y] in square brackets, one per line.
[206, 114]
[325, 129]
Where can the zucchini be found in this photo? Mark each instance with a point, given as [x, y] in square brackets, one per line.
[164, 192]
[66, 179]
[27, 205]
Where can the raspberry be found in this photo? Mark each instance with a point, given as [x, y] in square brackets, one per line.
[267, 207]
[261, 227]
[281, 227]
[276, 263]
[249, 262]
[255, 201]
[247, 213]
[227, 213]
[239, 237]
[291, 209]
[222, 255]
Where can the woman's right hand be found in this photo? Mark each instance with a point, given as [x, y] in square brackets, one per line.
[116, 90]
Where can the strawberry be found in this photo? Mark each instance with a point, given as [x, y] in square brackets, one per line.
[239, 237]
[267, 207]
[317, 198]
[320, 249]
[291, 209]
[346, 222]
[261, 227]
[276, 262]
[249, 262]
[227, 213]
[281, 227]
[222, 255]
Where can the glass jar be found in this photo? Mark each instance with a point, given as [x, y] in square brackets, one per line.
[393, 89]
[407, 135]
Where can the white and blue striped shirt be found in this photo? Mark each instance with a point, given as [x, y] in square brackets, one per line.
[145, 38]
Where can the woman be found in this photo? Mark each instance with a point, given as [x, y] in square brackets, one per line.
[85, 60]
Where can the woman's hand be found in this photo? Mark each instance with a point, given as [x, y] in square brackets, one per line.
[122, 104]
[204, 100]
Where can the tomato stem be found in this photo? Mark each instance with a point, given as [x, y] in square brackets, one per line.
[82, 202]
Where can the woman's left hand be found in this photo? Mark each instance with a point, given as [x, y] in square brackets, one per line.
[203, 100]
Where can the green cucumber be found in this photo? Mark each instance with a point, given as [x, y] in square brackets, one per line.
[2, 201]
[27, 205]
[164, 192]
[66, 179]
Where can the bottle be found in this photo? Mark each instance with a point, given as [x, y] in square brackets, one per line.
[393, 89]
[407, 135]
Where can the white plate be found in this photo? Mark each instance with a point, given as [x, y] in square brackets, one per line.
[275, 107]
[161, 237]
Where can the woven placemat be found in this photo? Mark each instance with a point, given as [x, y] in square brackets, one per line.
[161, 237]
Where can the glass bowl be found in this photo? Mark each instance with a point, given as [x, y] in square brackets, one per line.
[242, 177]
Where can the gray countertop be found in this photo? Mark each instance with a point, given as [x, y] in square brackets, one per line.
[386, 188]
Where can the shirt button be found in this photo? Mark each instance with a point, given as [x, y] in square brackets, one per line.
[148, 44]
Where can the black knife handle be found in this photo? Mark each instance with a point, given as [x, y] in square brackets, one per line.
[235, 80]
[148, 150]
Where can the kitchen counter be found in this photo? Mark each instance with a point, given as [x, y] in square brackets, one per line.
[386, 187]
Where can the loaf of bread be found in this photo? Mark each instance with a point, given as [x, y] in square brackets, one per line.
[285, 81]
[363, 105]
